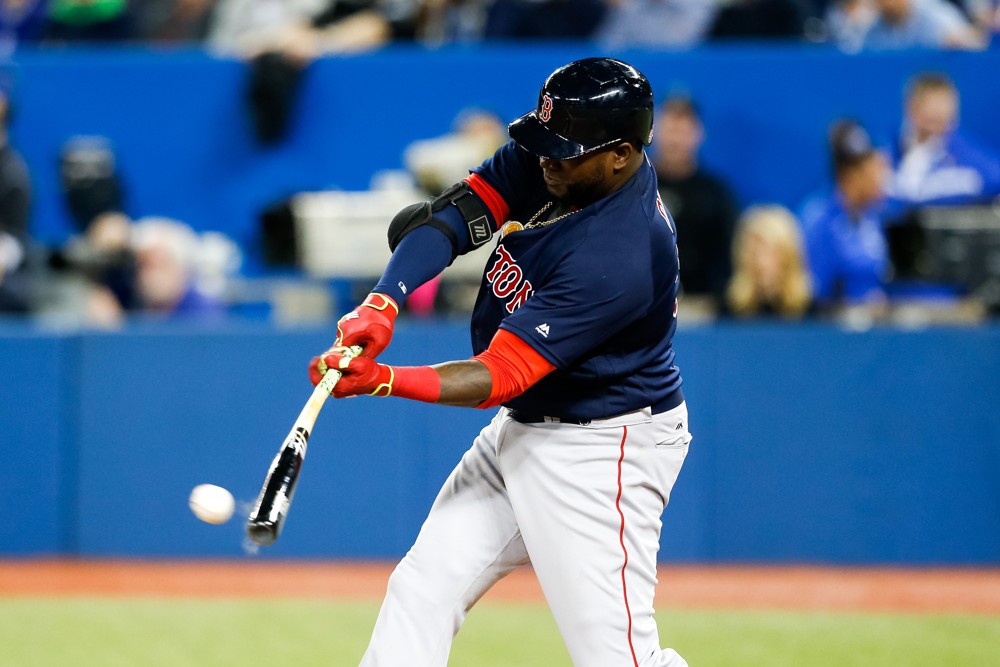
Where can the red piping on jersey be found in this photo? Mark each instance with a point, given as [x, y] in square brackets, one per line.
[621, 539]
[498, 207]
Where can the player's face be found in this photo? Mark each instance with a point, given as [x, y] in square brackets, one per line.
[581, 180]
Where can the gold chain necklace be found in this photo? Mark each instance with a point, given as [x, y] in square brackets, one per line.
[535, 223]
[513, 226]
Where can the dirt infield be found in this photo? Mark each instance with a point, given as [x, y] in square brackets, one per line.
[795, 588]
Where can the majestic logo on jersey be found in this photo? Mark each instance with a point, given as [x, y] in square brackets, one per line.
[543, 329]
[545, 111]
[507, 281]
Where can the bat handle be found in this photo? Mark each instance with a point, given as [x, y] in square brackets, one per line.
[310, 411]
[332, 376]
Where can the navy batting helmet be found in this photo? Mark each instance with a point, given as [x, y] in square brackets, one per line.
[587, 105]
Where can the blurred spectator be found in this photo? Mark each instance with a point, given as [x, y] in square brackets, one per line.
[543, 19]
[238, 27]
[656, 23]
[169, 261]
[281, 37]
[437, 164]
[88, 173]
[15, 204]
[21, 21]
[448, 21]
[303, 30]
[99, 252]
[933, 163]
[770, 276]
[114, 267]
[173, 20]
[89, 21]
[700, 202]
[904, 24]
[848, 21]
[752, 19]
[933, 166]
[440, 162]
[846, 246]
[985, 14]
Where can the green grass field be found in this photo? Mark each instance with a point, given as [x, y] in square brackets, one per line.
[245, 633]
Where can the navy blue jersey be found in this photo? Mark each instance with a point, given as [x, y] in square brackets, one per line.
[594, 293]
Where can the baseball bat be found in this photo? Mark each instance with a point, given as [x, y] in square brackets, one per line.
[276, 493]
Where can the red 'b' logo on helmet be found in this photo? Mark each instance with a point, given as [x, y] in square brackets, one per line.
[545, 112]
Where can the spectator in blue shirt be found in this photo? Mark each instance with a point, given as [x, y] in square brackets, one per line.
[933, 164]
[677, 24]
[845, 243]
[935, 24]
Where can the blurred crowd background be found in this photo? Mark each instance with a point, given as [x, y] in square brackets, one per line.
[906, 227]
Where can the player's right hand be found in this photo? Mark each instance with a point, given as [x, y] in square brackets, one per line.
[359, 375]
[368, 326]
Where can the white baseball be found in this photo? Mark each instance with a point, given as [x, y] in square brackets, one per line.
[211, 503]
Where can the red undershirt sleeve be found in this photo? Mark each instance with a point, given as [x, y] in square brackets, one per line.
[513, 365]
[494, 202]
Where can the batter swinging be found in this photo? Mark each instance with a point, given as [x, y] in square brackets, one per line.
[572, 334]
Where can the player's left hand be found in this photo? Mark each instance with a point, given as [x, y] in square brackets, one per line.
[359, 375]
[369, 325]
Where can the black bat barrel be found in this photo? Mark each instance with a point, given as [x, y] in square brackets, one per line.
[276, 495]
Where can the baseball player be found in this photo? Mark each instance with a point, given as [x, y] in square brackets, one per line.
[572, 339]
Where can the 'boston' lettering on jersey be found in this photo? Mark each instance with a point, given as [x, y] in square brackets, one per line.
[506, 278]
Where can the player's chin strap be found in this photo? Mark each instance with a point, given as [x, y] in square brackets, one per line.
[471, 209]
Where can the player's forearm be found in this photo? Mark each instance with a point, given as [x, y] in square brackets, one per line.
[505, 370]
[508, 368]
[420, 256]
[464, 384]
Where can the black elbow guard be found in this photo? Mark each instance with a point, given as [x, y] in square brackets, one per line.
[472, 209]
[416, 215]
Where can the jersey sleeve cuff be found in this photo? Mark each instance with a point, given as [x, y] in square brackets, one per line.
[514, 366]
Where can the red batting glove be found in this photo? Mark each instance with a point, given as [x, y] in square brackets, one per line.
[359, 375]
[369, 325]
[316, 371]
